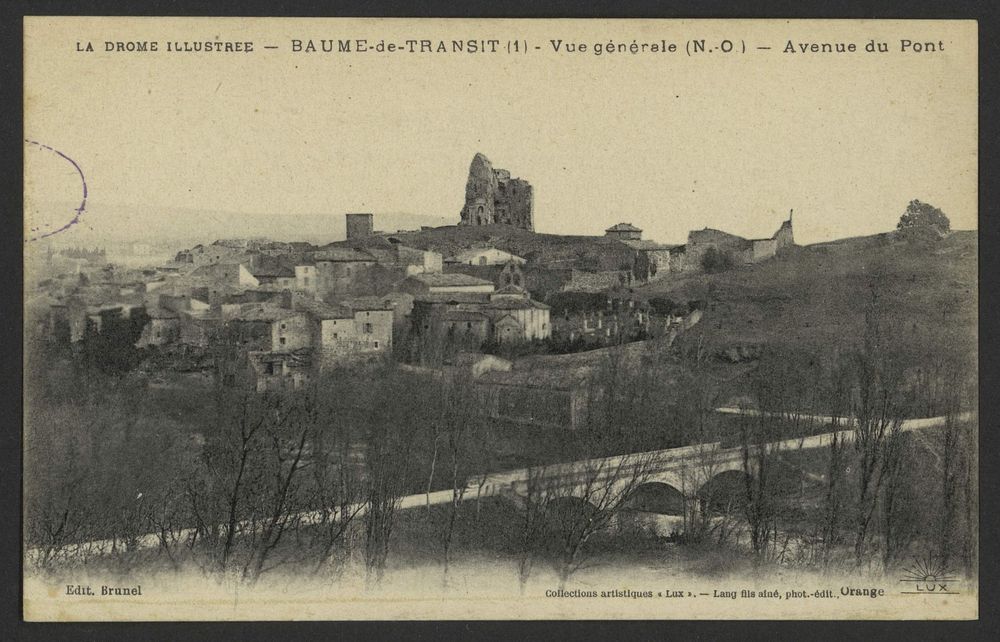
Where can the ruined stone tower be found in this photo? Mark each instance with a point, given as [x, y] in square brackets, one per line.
[492, 196]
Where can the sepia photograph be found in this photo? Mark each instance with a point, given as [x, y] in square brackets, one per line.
[465, 319]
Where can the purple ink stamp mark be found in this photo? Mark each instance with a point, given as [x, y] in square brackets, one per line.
[83, 182]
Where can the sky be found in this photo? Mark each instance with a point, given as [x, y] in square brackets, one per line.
[667, 142]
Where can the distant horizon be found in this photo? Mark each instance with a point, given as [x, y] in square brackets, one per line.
[665, 145]
[130, 235]
[337, 219]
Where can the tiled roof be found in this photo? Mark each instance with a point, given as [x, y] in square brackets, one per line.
[623, 227]
[274, 271]
[344, 254]
[516, 304]
[449, 297]
[370, 303]
[321, 310]
[510, 288]
[451, 279]
[266, 314]
[463, 315]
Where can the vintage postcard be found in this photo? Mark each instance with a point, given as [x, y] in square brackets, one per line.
[339, 319]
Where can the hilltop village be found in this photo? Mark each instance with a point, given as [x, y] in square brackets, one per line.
[483, 297]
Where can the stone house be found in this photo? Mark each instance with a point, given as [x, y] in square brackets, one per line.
[485, 256]
[652, 260]
[306, 279]
[505, 315]
[201, 255]
[391, 253]
[163, 328]
[273, 371]
[342, 271]
[220, 278]
[310, 336]
[266, 328]
[341, 334]
[275, 273]
[516, 317]
[624, 232]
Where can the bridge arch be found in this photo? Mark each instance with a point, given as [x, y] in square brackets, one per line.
[723, 491]
[655, 497]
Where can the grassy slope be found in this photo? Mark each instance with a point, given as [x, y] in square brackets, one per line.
[815, 296]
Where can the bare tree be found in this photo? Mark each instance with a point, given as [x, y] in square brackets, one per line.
[392, 429]
[532, 526]
[288, 437]
[839, 384]
[878, 420]
[582, 500]
[336, 473]
[833, 502]
[956, 526]
[760, 447]
[898, 527]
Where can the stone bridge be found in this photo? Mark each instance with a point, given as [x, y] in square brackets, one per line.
[663, 481]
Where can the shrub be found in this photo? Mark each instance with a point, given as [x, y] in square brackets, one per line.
[716, 260]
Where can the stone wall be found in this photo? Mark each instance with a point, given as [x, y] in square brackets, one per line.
[699, 241]
[597, 281]
[785, 237]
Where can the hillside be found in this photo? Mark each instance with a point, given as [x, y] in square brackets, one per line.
[815, 296]
[552, 251]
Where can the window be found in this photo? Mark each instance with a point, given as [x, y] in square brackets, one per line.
[334, 335]
[482, 260]
[469, 325]
[376, 345]
[281, 340]
[282, 326]
[368, 328]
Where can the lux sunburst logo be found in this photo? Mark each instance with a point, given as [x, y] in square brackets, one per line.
[929, 575]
